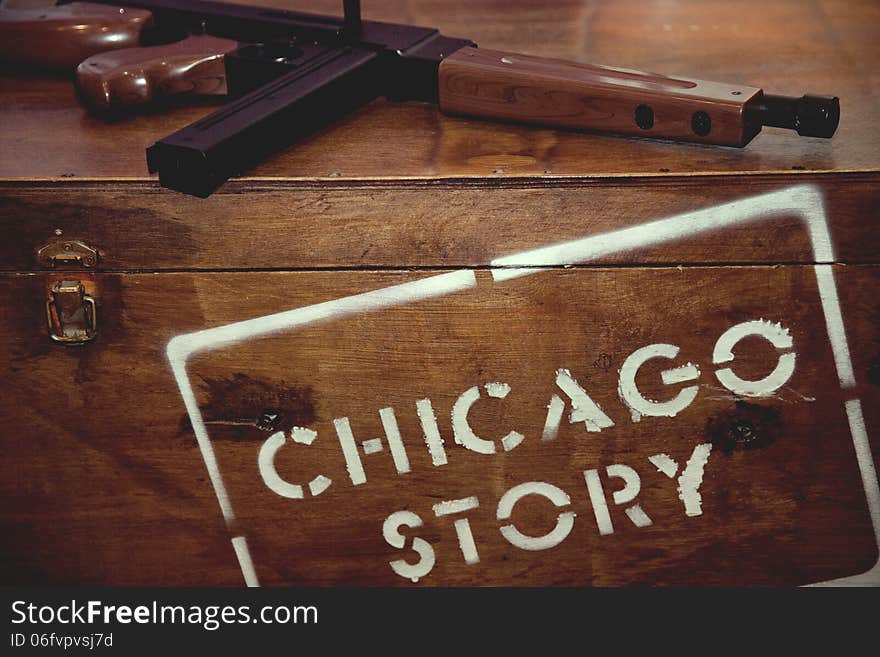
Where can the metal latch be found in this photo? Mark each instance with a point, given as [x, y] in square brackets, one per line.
[71, 313]
[67, 253]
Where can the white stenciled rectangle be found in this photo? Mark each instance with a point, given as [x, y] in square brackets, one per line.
[802, 201]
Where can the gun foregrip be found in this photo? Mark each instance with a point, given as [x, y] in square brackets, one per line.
[122, 79]
[507, 86]
[61, 37]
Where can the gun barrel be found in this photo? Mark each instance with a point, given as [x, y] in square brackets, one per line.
[809, 115]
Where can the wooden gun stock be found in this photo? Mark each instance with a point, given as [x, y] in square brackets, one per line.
[61, 37]
[122, 79]
[507, 86]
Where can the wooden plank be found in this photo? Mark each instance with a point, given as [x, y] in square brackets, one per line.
[735, 43]
[430, 224]
[107, 485]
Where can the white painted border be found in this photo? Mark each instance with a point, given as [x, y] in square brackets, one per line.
[803, 201]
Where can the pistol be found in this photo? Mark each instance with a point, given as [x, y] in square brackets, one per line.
[285, 74]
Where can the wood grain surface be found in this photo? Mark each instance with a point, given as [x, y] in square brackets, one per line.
[825, 47]
[451, 223]
[106, 481]
[142, 483]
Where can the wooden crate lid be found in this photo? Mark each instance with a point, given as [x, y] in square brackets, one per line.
[785, 47]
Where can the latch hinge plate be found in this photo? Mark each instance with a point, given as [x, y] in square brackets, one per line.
[67, 253]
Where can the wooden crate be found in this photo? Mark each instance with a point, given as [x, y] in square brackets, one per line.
[607, 361]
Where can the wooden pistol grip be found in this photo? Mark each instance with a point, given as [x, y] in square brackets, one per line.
[122, 79]
[550, 92]
[61, 37]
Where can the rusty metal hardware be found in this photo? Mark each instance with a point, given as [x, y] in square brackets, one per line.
[67, 253]
[71, 313]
